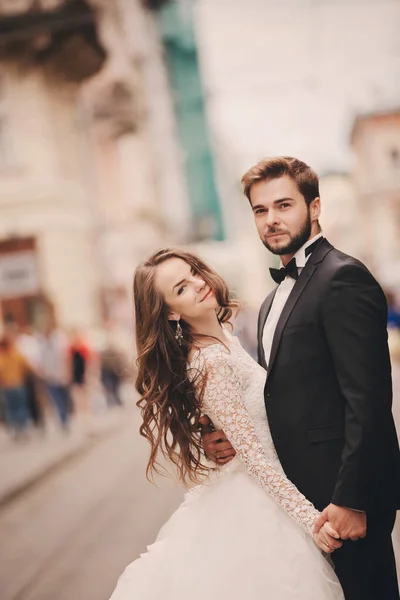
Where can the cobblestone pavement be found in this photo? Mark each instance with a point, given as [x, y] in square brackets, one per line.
[70, 537]
[23, 463]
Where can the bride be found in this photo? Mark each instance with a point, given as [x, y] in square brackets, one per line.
[244, 529]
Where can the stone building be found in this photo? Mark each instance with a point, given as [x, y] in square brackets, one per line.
[340, 213]
[81, 183]
[375, 141]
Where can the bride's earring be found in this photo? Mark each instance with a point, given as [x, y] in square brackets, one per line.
[179, 333]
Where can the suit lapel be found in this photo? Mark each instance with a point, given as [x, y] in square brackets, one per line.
[308, 271]
[264, 312]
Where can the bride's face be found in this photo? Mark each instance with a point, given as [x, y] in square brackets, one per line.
[186, 294]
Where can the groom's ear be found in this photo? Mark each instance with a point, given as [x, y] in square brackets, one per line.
[315, 209]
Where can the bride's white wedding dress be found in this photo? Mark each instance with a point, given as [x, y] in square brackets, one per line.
[246, 532]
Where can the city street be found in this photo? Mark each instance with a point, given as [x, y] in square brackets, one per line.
[128, 126]
[69, 537]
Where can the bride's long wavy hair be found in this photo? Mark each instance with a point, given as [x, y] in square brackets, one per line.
[170, 407]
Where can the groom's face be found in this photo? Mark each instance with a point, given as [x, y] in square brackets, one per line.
[284, 221]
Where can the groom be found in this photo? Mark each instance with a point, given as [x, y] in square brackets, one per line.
[322, 339]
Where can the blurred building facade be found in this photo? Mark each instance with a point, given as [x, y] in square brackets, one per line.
[125, 126]
[81, 184]
[105, 157]
[336, 59]
[340, 218]
[44, 206]
[375, 141]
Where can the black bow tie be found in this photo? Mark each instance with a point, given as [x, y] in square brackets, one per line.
[278, 275]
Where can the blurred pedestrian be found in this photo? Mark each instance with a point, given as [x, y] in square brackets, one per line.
[14, 369]
[29, 346]
[393, 310]
[80, 359]
[112, 367]
[54, 372]
[393, 325]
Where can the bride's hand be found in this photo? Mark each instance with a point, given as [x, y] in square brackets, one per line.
[328, 539]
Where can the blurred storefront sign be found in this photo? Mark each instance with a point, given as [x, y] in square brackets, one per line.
[18, 275]
[21, 297]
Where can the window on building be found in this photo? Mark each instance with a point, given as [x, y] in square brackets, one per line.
[3, 144]
[7, 155]
[6, 158]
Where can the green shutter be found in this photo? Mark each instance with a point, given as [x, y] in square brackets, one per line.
[181, 56]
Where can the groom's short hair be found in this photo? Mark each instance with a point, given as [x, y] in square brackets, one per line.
[277, 166]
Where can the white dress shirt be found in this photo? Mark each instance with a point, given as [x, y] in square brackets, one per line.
[281, 296]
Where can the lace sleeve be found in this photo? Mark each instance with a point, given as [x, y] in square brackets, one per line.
[222, 398]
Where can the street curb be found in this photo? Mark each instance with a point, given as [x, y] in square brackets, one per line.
[68, 457]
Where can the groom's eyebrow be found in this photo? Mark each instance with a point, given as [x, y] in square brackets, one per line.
[276, 202]
[280, 200]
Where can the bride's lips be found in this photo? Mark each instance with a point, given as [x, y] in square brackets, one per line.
[209, 293]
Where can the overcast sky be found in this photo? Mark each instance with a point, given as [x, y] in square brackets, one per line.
[289, 77]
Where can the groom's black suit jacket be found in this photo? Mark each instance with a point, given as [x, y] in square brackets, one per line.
[328, 392]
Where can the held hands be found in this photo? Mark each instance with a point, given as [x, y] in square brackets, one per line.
[216, 446]
[333, 525]
[349, 524]
[327, 539]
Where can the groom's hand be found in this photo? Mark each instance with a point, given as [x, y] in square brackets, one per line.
[350, 524]
[216, 446]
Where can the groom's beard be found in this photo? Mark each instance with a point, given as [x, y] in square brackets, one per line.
[296, 242]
